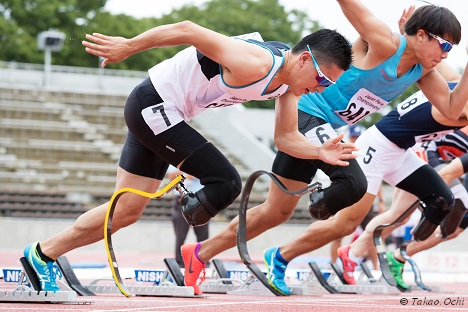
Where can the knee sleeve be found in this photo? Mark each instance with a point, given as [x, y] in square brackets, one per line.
[349, 184]
[436, 209]
[221, 181]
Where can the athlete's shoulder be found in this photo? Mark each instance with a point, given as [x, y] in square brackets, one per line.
[272, 45]
[278, 44]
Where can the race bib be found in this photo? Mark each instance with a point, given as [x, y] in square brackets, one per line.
[410, 103]
[361, 105]
[321, 134]
[227, 99]
[161, 117]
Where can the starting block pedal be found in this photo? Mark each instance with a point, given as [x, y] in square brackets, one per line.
[70, 277]
[29, 290]
[174, 271]
[310, 284]
[321, 278]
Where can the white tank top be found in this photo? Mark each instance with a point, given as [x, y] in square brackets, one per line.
[194, 82]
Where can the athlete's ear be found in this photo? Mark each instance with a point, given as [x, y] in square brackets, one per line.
[304, 58]
[421, 35]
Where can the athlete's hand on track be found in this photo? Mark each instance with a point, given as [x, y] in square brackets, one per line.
[112, 49]
[336, 152]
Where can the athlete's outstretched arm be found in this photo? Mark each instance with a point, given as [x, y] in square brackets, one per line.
[455, 169]
[239, 56]
[449, 103]
[289, 140]
[371, 29]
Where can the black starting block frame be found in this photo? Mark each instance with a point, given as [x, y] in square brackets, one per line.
[242, 227]
[70, 277]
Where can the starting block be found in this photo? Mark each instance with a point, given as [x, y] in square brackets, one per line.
[168, 283]
[222, 282]
[242, 282]
[245, 283]
[365, 283]
[29, 290]
[309, 283]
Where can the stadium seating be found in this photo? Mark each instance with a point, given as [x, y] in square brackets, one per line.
[59, 150]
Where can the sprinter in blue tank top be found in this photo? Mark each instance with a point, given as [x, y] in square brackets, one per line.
[385, 64]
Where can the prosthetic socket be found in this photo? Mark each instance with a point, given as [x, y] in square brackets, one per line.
[221, 185]
[435, 211]
[317, 206]
[449, 225]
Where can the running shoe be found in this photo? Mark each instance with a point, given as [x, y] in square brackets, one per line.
[193, 267]
[276, 271]
[46, 271]
[348, 265]
[396, 268]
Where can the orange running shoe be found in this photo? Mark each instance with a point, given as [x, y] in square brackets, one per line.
[348, 265]
[193, 267]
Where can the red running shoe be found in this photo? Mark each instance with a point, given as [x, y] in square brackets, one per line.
[348, 265]
[193, 267]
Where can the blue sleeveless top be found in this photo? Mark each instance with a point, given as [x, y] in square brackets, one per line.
[358, 93]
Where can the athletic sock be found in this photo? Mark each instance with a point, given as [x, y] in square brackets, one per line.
[280, 258]
[402, 262]
[41, 254]
[353, 258]
[196, 252]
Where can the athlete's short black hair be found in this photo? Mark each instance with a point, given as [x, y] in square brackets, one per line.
[329, 47]
[437, 20]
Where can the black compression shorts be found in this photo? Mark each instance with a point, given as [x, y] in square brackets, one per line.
[145, 153]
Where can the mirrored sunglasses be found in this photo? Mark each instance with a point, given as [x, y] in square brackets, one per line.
[322, 80]
[444, 44]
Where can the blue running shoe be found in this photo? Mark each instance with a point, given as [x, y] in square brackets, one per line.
[276, 270]
[46, 272]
